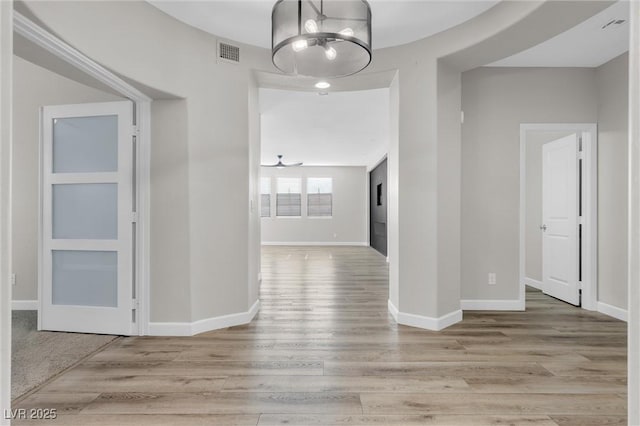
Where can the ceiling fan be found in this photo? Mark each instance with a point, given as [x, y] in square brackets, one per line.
[281, 165]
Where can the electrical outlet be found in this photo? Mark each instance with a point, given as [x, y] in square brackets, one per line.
[492, 278]
[13, 279]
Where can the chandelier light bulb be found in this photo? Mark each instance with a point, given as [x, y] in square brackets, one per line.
[323, 39]
[347, 32]
[330, 53]
[299, 45]
[311, 26]
[322, 85]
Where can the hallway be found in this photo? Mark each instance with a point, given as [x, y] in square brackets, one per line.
[324, 351]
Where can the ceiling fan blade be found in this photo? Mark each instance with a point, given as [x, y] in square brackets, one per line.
[280, 164]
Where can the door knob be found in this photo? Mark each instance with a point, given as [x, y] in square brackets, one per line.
[543, 227]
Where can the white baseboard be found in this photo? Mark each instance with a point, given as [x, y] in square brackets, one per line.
[492, 305]
[533, 283]
[612, 311]
[313, 243]
[392, 310]
[201, 326]
[24, 305]
[428, 323]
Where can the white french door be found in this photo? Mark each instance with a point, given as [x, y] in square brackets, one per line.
[87, 213]
[560, 219]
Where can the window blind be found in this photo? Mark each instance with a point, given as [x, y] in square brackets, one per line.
[319, 197]
[289, 197]
[319, 204]
[288, 205]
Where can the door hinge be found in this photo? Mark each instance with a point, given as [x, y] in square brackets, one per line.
[580, 285]
[135, 131]
[134, 304]
[134, 217]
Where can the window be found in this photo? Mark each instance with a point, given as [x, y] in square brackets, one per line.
[319, 197]
[379, 195]
[289, 197]
[265, 197]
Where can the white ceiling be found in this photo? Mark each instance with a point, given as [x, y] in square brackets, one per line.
[352, 127]
[585, 45]
[394, 22]
[339, 129]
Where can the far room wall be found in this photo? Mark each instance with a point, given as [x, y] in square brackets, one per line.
[495, 102]
[34, 87]
[348, 224]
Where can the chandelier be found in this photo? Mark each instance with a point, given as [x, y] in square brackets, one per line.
[321, 38]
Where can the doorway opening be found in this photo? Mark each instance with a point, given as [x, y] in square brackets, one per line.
[316, 217]
[558, 211]
[325, 201]
[59, 171]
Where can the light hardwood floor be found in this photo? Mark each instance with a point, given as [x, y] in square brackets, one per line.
[324, 351]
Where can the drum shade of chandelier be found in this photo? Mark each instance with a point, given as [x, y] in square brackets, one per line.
[321, 38]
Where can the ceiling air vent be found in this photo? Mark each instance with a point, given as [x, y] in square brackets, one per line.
[228, 53]
[613, 23]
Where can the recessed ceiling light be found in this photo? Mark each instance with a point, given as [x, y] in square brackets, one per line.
[322, 85]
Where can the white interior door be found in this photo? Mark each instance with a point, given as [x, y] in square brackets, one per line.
[560, 219]
[86, 271]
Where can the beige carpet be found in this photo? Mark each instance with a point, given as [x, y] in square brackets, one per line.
[36, 356]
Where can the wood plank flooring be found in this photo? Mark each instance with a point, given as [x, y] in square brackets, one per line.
[324, 351]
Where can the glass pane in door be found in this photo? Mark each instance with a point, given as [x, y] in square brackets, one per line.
[85, 144]
[85, 278]
[87, 211]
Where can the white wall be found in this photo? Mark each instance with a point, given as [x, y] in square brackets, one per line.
[612, 82]
[348, 225]
[254, 193]
[428, 291]
[34, 87]
[167, 55]
[6, 70]
[449, 175]
[633, 398]
[495, 102]
[393, 245]
[169, 245]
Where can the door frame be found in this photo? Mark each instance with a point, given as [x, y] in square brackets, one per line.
[589, 194]
[142, 129]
